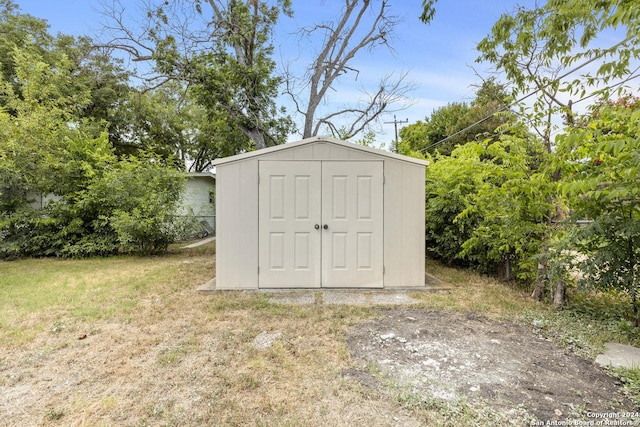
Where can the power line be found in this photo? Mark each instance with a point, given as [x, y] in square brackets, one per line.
[632, 76]
[517, 101]
[620, 83]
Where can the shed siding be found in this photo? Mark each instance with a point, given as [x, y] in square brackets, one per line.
[361, 155]
[237, 225]
[320, 151]
[303, 153]
[392, 224]
[412, 220]
[280, 155]
[403, 218]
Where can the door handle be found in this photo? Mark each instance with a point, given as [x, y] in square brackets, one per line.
[317, 226]
[326, 227]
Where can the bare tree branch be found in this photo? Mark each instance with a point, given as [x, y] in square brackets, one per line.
[351, 33]
[390, 92]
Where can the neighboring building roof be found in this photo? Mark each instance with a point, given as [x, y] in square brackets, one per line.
[209, 175]
[316, 139]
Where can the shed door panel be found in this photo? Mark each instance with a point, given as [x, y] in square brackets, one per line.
[352, 209]
[289, 209]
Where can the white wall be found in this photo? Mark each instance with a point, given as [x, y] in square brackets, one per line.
[39, 200]
[196, 197]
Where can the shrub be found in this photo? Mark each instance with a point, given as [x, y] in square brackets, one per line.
[129, 206]
[487, 205]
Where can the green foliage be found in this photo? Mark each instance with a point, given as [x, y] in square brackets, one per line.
[611, 308]
[188, 226]
[48, 147]
[141, 198]
[13, 188]
[230, 71]
[445, 128]
[404, 148]
[130, 206]
[54, 414]
[444, 121]
[17, 30]
[600, 162]
[107, 82]
[428, 10]
[169, 123]
[487, 205]
[540, 50]
[631, 380]
[563, 32]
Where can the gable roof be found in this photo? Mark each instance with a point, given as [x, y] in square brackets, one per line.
[316, 139]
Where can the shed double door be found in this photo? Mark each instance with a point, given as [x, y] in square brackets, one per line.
[320, 224]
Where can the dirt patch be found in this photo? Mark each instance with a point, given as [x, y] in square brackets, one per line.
[512, 368]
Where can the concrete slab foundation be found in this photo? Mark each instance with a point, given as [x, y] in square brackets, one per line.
[620, 356]
[341, 296]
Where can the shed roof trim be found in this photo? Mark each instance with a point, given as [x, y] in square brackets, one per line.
[315, 139]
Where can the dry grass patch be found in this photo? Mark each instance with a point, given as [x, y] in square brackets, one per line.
[471, 292]
[128, 341]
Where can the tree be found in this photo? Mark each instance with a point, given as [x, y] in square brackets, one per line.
[138, 200]
[223, 57]
[48, 147]
[539, 49]
[168, 122]
[92, 71]
[458, 123]
[425, 135]
[17, 30]
[600, 160]
[360, 26]
[107, 81]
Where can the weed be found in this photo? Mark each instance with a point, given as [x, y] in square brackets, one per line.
[631, 380]
[248, 382]
[109, 403]
[57, 327]
[452, 413]
[373, 368]
[54, 414]
[175, 354]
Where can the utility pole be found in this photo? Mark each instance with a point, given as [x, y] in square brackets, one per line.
[395, 125]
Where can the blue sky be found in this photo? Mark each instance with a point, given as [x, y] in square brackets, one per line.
[438, 57]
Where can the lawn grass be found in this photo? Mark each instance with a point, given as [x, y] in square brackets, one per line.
[38, 294]
[128, 341]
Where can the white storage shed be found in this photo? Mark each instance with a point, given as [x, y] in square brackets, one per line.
[320, 213]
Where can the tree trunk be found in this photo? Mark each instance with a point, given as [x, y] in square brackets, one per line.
[634, 302]
[256, 136]
[507, 269]
[541, 280]
[558, 296]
